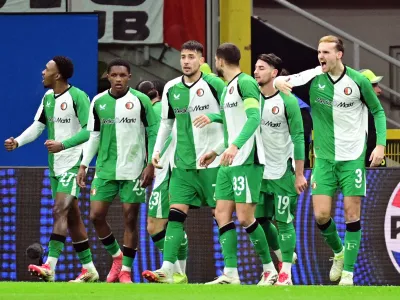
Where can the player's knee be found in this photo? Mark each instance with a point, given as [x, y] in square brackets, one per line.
[245, 220]
[176, 215]
[352, 215]
[154, 225]
[60, 212]
[322, 217]
[130, 218]
[97, 217]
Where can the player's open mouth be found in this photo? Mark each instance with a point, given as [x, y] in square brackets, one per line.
[323, 63]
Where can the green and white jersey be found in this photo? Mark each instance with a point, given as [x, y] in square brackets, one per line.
[64, 116]
[234, 117]
[340, 112]
[282, 133]
[181, 104]
[121, 123]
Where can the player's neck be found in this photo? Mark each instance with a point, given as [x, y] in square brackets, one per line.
[193, 78]
[230, 73]
[155, 100]
[338, 70]
[268, 89]
[60, 87]
[118, 94]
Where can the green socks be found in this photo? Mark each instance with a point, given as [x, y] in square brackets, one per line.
[331, 236]
[287, 240]
[352, 241]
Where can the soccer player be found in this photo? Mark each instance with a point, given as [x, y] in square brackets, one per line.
[283, 140]
[117, 121]
[242, 164]
[191, 185]
[64, 111]
[158, 204]
[340, 98]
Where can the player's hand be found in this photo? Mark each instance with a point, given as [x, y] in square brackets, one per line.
[10, 144]
[147, 176]
[81, 177]
[207, 159]
[229, 155]
[53, 146]
[201, 121]
[377, 156]
[283, 85]
[156, 160]
[300, 183]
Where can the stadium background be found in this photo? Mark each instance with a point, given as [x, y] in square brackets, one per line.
[43, 30]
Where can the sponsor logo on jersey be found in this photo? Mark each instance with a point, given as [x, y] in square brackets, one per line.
[59, 120]
[102, 106]
[270, 124]
[392, 228]
[231, 90]
[200, 92]
[64, 106]
[343, 104]
[48, 104]
[176, 97]
[334, 103]
[118, 120]
[321, 87]
[275, 110]
[190, 109]
[347, 91]
[230, 105]
[129, 105]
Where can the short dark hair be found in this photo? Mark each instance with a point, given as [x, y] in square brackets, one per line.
[159, 86]
[65, 66]
[272, 60]
[193, 46]
[118, 62]
[229, 52]
[147, 87]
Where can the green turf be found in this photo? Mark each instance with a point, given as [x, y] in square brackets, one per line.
[96, 291]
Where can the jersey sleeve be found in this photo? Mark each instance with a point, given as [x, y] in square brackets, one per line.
[81, 106]
[40, 114]
[300, 78]
[295, 121]
[93, 122]
[250, 93]
[374, 105]
[150, 121]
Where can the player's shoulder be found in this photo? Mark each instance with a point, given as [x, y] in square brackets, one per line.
[212, 79]
[246, 79]
[356, 76]
[141, 96]
[77, 93]
[48, 93]
[172, 83]
[100, 96]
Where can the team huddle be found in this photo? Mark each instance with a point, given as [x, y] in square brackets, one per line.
[229, 141]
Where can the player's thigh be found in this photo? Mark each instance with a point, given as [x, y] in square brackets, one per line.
[352, 177]
[323, 179]
[103, 190]
[223, 184]
[131, 192]
[159, 201]
[206, 183]
[246, 181]
[182, 188]
[67, 183]
[285, 198]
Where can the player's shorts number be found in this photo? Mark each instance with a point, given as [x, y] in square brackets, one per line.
[137, 188]
[238, 185]
[66, 178]
[155, 199]
[358, 180]
[283, 203]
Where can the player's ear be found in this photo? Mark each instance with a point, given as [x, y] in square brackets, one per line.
[275, 73]
[129, 76]
[339, 54]
[202, 60]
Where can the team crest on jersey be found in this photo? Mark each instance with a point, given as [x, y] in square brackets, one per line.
[275, 110]
[200, 92]
[129, 105]
[392, 228]
[348, 91]
[231, 90]
[93, 191]
[64, 106]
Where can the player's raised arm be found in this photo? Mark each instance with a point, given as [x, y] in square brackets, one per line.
[296, 130]
[285, 83]
[374, 105]
[82, 103]
[31, 133]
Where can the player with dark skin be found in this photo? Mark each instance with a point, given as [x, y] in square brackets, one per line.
[118, 77]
